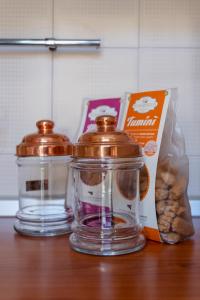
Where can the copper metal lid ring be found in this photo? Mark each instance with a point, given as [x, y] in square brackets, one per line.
[45, 142]
[106, 151]
[106, 142]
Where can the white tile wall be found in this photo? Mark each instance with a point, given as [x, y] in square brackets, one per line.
[109, 72]
[25, 18]
[146, 44]
[161, 68]
[169, 23]
[194, 177]
[114, 21]
[25, 77]
[8, 175]
[25, 95]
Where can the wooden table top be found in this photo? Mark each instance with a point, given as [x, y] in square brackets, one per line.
[46, 268]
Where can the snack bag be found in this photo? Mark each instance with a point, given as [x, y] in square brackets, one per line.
[93, 108]
[91, 181]
[149, 118]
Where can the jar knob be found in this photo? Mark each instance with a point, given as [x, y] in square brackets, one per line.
[45, 126]
[106, 123]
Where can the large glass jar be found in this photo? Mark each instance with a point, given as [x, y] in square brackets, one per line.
[105, 168]
[43, 164]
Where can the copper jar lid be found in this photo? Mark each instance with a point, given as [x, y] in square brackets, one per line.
[106, 142]
[45, 142]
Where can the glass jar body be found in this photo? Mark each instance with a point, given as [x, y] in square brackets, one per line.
[106, 206]
[43, 188]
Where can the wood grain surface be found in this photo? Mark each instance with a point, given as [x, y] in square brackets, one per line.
[46, 268]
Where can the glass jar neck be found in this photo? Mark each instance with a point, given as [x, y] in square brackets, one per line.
[108, 163]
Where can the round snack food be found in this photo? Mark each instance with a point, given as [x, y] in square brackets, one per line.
[92, 177]
[144, 182]
[172, 205]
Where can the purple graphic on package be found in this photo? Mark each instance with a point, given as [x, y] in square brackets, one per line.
[96, 216]
[99, 107]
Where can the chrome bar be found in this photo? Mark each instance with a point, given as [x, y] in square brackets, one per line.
[52, 43]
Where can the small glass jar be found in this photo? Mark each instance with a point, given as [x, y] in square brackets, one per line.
[105, 168]
[43, 163]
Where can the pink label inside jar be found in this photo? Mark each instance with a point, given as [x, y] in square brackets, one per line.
[96, 216]
[99, 216]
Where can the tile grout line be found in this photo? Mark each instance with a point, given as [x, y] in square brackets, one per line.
[52, 65]
[153, 47]
[52, 85]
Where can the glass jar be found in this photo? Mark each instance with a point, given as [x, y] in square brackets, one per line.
[43, 163]
[105, 168]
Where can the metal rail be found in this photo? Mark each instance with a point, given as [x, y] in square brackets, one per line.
[52, 43]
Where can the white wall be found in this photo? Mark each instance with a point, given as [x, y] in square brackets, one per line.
[146, 44]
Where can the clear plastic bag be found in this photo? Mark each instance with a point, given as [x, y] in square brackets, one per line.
[172, 203]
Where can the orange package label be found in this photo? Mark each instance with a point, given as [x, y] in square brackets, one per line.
[143, 118]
